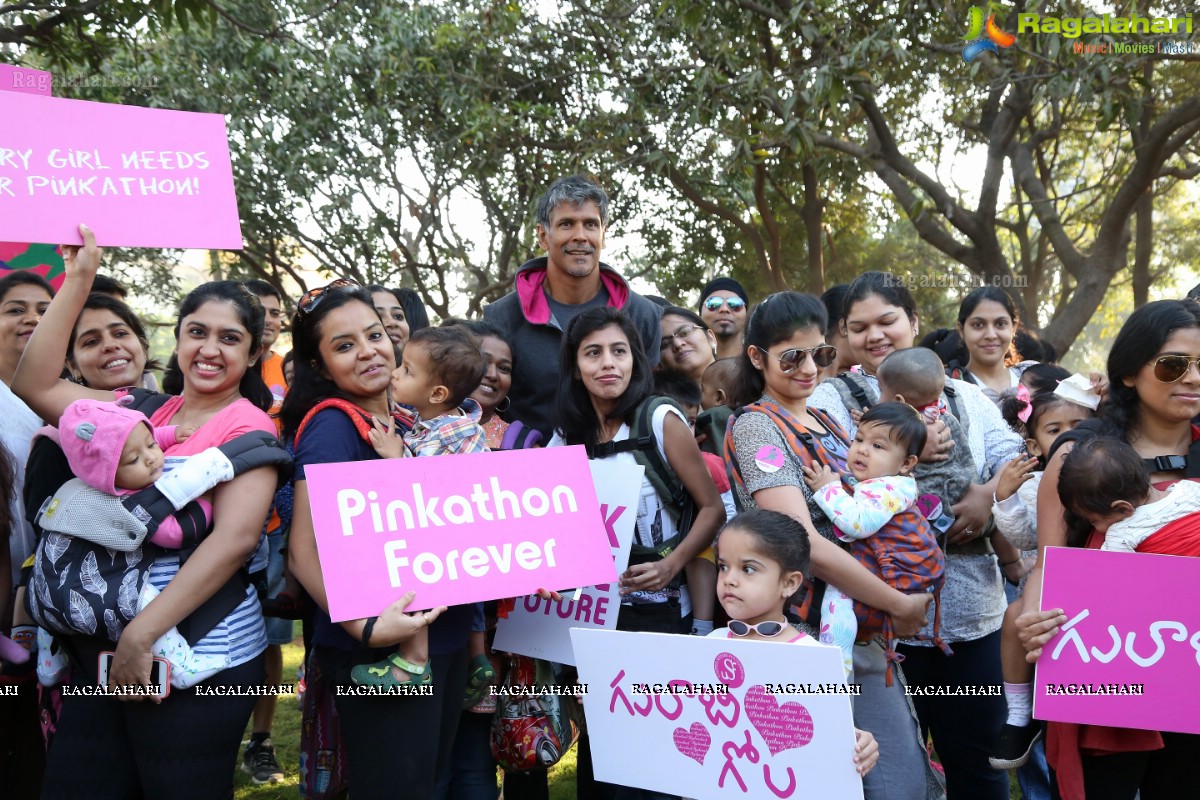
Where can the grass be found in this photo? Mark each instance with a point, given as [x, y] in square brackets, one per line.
[286, 737]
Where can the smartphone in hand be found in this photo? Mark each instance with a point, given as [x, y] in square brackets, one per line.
[160, 674]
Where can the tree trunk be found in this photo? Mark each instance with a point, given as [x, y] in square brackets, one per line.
[1142, 248]
[814, 210]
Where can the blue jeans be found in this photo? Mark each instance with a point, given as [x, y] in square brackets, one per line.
[1034, 777]
[472, 771]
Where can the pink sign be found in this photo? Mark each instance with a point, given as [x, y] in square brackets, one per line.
[25, 80]
[1125, 658]
[456, 529]
[139, 177]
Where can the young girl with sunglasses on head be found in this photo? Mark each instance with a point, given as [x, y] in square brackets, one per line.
[761, 560]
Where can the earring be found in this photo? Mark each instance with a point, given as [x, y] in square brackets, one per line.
[506, 402]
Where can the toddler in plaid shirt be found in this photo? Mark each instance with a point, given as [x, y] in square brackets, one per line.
[440, 368]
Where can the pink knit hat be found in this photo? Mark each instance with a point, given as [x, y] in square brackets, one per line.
[93, 434]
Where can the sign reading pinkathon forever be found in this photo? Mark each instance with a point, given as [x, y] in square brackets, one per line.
[1125, 658]
[139, 177]
[456, 529]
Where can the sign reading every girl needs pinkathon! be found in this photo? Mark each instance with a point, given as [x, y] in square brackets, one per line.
[1128, 660]
[456, 528]
[709, 717]
[139, 177]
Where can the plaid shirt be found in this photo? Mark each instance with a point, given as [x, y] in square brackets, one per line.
[448, 434]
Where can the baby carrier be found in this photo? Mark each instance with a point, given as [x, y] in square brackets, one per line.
[89, 572]
[898, 553]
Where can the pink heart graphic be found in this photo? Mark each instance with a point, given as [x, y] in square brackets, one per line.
[693, 742]
[781, 727]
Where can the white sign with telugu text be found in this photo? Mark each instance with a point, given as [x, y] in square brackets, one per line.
[709, 717]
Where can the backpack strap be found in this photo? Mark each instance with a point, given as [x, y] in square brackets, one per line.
[519, 436]
[808, 449]
[360, 418]
[952, 400]
[856, 390]
[667, 485]
[958, 372]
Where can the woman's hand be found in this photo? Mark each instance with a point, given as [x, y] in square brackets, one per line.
[648, 577]
[395, 625]
[910, 614]
[83, 262]
[866, 751]
[384, 439]
[131, 663]
[938, 442]
[819, 478]
[1099, 383]
[971, 514]
[1036, 628]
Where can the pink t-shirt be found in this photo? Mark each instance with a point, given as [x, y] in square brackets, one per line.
[240, 416]
[242, 635]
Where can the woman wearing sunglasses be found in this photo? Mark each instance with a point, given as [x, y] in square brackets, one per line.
[780, 368]
[881, 318]
[1153, 395]
[687, 345]
[183, 746]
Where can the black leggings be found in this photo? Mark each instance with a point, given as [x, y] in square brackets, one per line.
[184, 747]
[963, 728]
[1163, 774]
[398, 745]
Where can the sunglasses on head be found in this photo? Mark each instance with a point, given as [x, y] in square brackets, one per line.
[714, 303]
[791, 360]
[769, 628]
[1168, 369]
[313, 297]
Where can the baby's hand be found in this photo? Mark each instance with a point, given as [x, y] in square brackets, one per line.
[816, 479]
[855, 416]
[1015, 473]
[385, 441]
[182, 432]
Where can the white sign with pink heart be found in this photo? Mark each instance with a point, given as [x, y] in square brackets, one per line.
[703, 717]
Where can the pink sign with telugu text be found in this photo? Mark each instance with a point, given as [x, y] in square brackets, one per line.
[1129, 654]
[139, 177]
[456, 529]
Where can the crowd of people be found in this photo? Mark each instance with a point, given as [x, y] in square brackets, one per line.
[838, 481]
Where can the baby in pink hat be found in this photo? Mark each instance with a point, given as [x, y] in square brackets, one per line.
[115, 450]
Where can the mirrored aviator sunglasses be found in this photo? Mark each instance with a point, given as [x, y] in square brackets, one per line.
[822, 356]
[714, 303]
[768, 628]
[313, 297]
[1168, 369]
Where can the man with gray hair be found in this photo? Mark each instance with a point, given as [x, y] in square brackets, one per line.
[548, 292]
